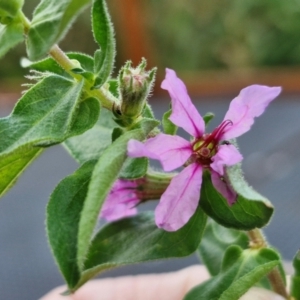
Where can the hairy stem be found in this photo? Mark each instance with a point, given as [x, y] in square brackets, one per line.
[62, 59]
[257, 241]
[106, 99]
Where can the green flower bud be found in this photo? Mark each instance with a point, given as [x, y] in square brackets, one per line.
[9, 9]
[135, 86]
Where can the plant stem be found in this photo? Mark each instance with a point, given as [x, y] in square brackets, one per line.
[258, 241]
[26, 23]
[106, 99]
[59, 56]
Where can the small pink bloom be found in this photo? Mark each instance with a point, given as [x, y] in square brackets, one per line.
[205, 151]
[121, 201]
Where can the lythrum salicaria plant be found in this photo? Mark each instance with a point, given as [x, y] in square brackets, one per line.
[107, 125]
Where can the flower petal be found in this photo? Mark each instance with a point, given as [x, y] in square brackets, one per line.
[223, 188]
[121, 201]
[227, 155]
[180, 200]
[119, 211]
[172, 151]
[250, 103]
[184, 113]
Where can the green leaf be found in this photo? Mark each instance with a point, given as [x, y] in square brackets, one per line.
[147, 124]
[169, 127]
[240, 271]
[251, 210]
[47, 65]
[44, 114]
[86, 61]
[295, 280]
[63, 214]
[50, 112]
[104, 175]
[148, 112]
[117, 132]
[208, 117]
[93, 142]
[215, 241]
[104, 36]
[51, 20]
[88, 112]
[12, 166]
[10, 35]
[75, 204]
[114, 87]
[9, 9]
[138, 239]
[134, 168]
[239, 184]
[50, 65]
[86, 64]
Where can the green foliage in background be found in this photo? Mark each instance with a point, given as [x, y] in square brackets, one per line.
[225, 34]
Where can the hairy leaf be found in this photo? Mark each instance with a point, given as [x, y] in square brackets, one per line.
[50, 112]
[48, 64]
[13, 165]
[251, 210]
[134, 168]
[63, 214]
[215, 241]
[75, 204]
[51, 20]
[10, 36]
[104, 36]
[124, 242]
[138, 239]
[240, 271]
[91, 144]
[104, 175]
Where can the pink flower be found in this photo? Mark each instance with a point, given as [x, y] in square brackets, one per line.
[121, 201]
[205, 151]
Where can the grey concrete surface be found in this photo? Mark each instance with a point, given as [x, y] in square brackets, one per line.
[271, 164]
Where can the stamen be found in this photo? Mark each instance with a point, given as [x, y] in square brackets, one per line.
[217, 133]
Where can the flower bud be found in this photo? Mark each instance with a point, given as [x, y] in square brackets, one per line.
[9, 9]
[135, 86]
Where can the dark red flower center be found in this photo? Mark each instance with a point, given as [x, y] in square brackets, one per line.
[207, 146]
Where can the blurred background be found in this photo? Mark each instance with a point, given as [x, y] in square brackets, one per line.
[216, 45]
[217, 48]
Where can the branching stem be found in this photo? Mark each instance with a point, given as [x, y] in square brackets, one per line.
[106, 99]
[258, 241]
